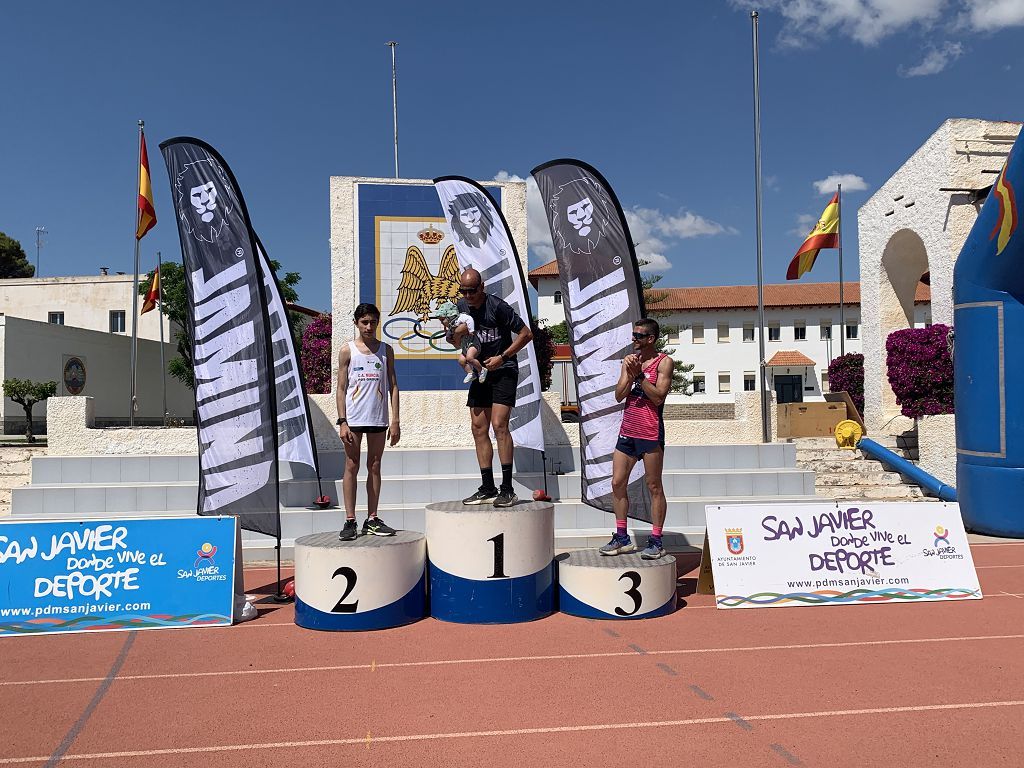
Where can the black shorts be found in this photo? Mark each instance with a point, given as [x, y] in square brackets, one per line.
[367, 430]
[636, 447]
[499, 388]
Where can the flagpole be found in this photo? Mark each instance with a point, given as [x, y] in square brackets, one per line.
[394, 98]
[135, 283]
[765, 415]
[842, 309]
[160, 310]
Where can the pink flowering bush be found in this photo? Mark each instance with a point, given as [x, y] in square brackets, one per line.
[921, 370]
[846, 374]
[316, 355]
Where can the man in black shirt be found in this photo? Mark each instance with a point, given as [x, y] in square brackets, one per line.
[502, 334]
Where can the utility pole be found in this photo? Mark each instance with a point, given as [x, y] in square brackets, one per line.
[40, 231]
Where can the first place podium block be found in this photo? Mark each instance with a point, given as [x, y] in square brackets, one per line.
[491, 565]
[373, 582]
[598, 586]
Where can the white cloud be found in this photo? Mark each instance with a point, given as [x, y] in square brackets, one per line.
[993, 15]
[935, 60]
[536, 220]
[810, 22]
[654, 232]
[804, 224]
[813, 23]
[851, 183]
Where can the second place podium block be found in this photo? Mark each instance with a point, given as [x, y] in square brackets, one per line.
[491, 565]
[373, 582]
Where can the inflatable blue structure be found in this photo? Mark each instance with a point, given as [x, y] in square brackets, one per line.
[988, 364]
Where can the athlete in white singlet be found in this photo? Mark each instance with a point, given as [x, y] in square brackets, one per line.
[366, 392]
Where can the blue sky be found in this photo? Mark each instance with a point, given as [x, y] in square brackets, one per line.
[658, 97]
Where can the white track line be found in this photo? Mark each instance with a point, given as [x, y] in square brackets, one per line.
[368, 740]
[979, 567]
[506, 659]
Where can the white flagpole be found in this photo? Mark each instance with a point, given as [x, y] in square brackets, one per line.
[842, 309]
[135, 286]
[765, 414]
[160, 310]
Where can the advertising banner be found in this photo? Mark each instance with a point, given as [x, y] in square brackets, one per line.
[232, 354]
[603, 297]
[104, 575]
[771, 555]
[483, 242]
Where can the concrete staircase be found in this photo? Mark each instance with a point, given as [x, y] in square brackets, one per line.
[80, 487]
[850, 474]
[15, 471]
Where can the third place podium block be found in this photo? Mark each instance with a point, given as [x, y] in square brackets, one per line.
[373, 582]
[488, 565]
[598, 586]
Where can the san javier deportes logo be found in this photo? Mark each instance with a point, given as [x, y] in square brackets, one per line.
[204, 568]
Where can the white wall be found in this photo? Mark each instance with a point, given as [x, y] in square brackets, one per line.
[36, 351]
[85, 301]
[910, 225]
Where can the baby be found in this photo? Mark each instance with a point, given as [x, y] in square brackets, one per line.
[460, 332]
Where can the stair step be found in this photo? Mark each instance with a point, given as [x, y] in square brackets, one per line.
[875, 493]
[853, 479]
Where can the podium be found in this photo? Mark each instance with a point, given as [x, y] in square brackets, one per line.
[598, 586]
[373, 582]
[491, 565]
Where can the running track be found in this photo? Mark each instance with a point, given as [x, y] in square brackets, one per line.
[935, 684]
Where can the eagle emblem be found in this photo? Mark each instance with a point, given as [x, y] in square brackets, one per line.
[419, 288]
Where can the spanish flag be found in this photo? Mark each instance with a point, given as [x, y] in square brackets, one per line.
[824, 235]
[153, 294]
[147, 214]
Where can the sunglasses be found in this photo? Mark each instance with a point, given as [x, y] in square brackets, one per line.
[468, 291]
[638, 336]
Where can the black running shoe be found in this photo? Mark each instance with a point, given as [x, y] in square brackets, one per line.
[482, 496]
[506, 498]
[377, 527]
[348, 533]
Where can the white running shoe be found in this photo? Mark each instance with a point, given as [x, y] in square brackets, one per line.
[469, 377]
[482, 377]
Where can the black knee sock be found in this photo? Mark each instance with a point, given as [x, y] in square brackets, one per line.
[487, 478]
[506, 476]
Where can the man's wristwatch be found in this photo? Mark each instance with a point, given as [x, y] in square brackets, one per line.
[339, 422]
[505, 358]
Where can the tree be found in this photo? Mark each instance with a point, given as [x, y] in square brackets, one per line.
[316, 355]
[846, 374]
[175, 307]
[13, 262]
[559, 333]
[680, 381]
[920, 370]
[26, 394]
[544, 348]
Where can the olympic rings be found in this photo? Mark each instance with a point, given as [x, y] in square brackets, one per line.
[417, 332]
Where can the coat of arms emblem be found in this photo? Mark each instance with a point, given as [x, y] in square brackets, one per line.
[734, 540]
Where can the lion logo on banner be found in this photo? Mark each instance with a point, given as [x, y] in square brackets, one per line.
[471, 218]
[419, 288]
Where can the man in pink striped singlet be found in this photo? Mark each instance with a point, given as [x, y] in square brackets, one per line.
[644, 384]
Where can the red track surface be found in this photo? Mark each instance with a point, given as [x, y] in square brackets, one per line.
[932, 684]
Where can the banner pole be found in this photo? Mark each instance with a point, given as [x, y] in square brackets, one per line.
[160, 300]
[135, 287]
[765, 415]
[842, 308]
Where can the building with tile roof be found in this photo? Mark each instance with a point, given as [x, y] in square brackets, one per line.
[714, 327]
